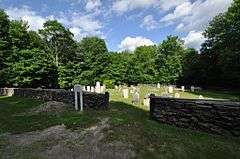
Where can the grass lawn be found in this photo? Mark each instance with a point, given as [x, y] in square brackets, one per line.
[116, 95]
[127, 123]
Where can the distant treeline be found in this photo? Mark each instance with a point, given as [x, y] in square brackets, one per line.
[51, 58]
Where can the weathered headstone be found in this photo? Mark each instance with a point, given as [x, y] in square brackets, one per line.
[183, 88]
[125, 93]
[146, 102]
[170, 89]
[98, 87]
[84, 88]
[158, 85]
[116, 87]
[192, 88]
[103, 89]
[92, 89]
[136, 98]
[177, 95]
[88, 88]
[78, 90]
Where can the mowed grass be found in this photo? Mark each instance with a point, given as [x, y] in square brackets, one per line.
[117, 94]
[128, 123]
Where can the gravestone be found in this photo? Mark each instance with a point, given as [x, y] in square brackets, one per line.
[84, 88]
[116, 87]
[92, 89]
[98, 87]
[125, 93]
[170, 89]
[136, 98]
[192, 88]
[177, 95]
[103, 89]
[88, 88]
[78, 91]
[146, 102]
[183, 88]
[158, 85]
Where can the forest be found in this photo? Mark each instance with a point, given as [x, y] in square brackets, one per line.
[51, 58]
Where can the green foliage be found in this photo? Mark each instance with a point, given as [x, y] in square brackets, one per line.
[169, 60]
[92, 53]
[109, 84]
[4, 44]
[52, 58]
[32, 68]
[58, 41]
[220, 55]
[69, 75]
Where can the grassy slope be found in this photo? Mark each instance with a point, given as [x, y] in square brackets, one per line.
[129, 124]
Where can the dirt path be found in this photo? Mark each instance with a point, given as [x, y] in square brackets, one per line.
[59, 142]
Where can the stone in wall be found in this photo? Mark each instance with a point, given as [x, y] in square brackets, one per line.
[218, 117]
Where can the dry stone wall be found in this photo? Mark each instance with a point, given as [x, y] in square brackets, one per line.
[218, 117]
[90, 99]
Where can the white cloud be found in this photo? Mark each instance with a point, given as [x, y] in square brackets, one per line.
[93, 4]
[25, 13]
[149, 23]
[194, 39]
[131, 43]
[84, 25]
[80, 25]
[196, 15]
[180, 11]
[168, 4]
[121, 6]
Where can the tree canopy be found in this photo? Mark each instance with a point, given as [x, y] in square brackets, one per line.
[51, 58]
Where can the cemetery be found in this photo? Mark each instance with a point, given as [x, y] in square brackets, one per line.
[69, 91]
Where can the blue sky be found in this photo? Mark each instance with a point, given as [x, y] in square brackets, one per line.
[124, 24]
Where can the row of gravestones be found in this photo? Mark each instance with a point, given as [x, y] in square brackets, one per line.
[78, 93]
[169, 91]
[97, 89]
[135, 96]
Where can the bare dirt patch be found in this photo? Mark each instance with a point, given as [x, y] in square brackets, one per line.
[51, 107]
[59, 142]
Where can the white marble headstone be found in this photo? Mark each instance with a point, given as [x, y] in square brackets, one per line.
[170, 89]
[146, 102]
[92, 89]
[192, 88]
[98, 87]
[88, 88]
[182, 88]
[125, 93]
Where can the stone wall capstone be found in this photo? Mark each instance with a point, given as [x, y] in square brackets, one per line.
[212, 116]
[90, 99]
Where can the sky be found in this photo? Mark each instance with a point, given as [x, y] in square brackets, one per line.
[124, 24]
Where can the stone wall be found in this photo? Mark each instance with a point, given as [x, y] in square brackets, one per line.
[218, 117]
[90, 100]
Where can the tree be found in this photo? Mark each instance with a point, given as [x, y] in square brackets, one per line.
[18, 33]
[191, 68]
[58, 41]
[4, 44]
[93, 55]
[117, 67]
[32, 68]
[144, 57]
[169, 59]
[221, 52]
